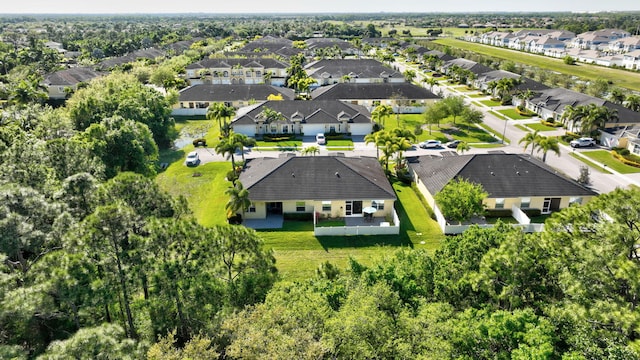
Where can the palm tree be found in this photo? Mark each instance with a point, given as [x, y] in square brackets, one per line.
[374, 138]
[381, 113]
[238, 199]
[546, 144]
[462, 147]
[219, 112]
[632, 102]
[227, 147]
[431, 82]
[524, 97]
[311, 150]
[243, 140]
[532, 138]
[598, 117]
[572, 115]
[616, 95]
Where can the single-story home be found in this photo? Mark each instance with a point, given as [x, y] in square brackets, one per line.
[195, 100]
[509, 179]
[405, 97]
[326, 186]
[303, 117]
[237, 71]
[58, 82]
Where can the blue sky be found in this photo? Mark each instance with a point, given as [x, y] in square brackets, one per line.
[306, 6]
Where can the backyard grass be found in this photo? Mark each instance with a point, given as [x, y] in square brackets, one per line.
[620, 78]
[203, 186]
[299, 253]
[490, 103]
[606, 158]
[540, 127]
[513, 114]
[591, 164]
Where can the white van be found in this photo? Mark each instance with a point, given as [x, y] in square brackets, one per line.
[320, 139]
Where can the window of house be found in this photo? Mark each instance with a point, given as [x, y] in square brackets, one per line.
[575, 200]
[300, 207]
[525, 202]
[285, 129]
[252, 208]
[636, 149]
[274, 129]
[500, 203]
[258, 74]
[225, 74]
[326, 206]
[378, 204]
[248, 73]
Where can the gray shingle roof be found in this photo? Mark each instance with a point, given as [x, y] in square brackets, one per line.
[309, 110]
[361, 68]
[501, 175]
[347, 91]
[266, 63]
[316, 178]
[208, 92]
[71, 76]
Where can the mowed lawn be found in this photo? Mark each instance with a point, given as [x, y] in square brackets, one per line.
[606, 158]
[298, 252]
[620, 78]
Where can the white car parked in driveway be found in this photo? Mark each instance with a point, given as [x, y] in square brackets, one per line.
[192, 159]
[320, 139]
[582, 142]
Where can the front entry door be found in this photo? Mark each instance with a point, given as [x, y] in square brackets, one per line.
[353, 208]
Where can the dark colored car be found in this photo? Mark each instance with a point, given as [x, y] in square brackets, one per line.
[453, 144]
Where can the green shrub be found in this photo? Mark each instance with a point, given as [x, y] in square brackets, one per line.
[624, 152]
[199, 142]
[418, 130]
[298, 216]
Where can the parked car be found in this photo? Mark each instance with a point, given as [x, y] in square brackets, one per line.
[320, 139]
[453, 144]
[192, 159]
[582, 142]
[430, 144]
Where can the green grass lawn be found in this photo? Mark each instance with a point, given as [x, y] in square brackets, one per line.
[620, 78]
[498, 115]
[513, 114]
[344, 143]
[299, 253]
[487, 146]
[295, 143]
[606, 158]
[591, 164]
[497, 134]
[540, 127]
[490, 103]
[204, 193]
[479, 95]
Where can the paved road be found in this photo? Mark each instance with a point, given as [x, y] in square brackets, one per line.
[565, 163]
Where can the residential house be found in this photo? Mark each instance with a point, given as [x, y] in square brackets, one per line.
[195, 99]
[61, 83]
[339, 47]
[333, 71]
[148, 54]
[598, 39]
[511, 180]
[474, 67]
[551, 103]
[324, 186]
[547, 46]
[303, 118]
[403, 97]
[483, 80]
[631, 60]
[237, 71]
[268, 46]
[624, 45]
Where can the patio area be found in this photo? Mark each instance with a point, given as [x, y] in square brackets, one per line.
[272, 221]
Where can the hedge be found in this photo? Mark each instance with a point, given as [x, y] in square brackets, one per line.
[627, 160]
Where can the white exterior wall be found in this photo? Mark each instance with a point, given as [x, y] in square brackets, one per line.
[361, 129]
[248, 130]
